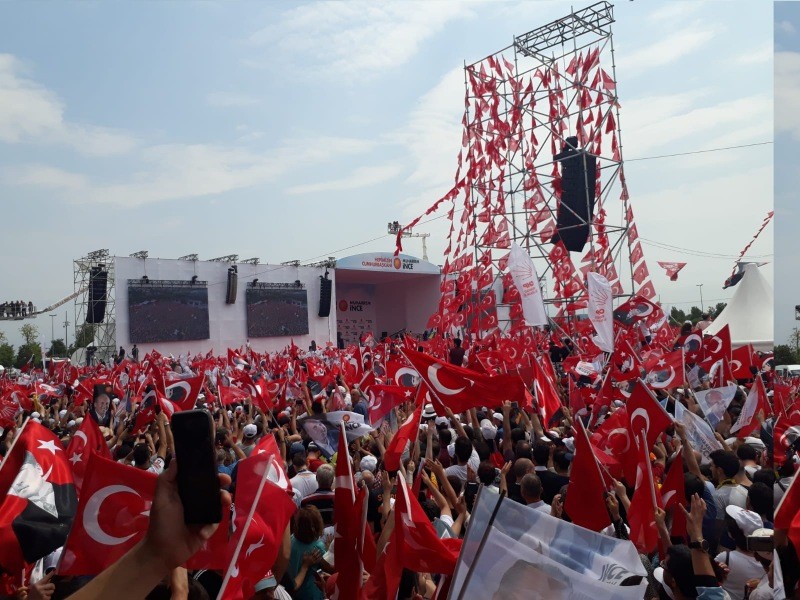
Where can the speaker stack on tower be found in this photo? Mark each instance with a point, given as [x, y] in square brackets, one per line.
[324, 295]
[233, 284]
[98, 282]
[576, 209]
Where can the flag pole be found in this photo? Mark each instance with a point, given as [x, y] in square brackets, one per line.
[239, 545]
[16, 439]
[478, 552]
[649, 468]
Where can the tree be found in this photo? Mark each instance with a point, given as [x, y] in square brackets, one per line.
[6, 355]
[83, 337]
[3, 338]
[719, 308]
[26, 352]
[30, 333]
[785, 355]
[794, 340]
[677, 315]
[58, 348]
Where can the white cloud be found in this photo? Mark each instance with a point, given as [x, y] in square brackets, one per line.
[674, 11]
[787, 93]
[756, 55]
[179, 171]
[785, 27]
[360, 178]
[656, 121]
[30, 113]
[355, 39]
[684, 42]
[230, 99]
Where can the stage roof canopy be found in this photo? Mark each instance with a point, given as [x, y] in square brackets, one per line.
[376, 267]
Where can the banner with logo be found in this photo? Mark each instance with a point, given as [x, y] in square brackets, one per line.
[324, 429]
[355, 312]
[526, 280]
[600, 312]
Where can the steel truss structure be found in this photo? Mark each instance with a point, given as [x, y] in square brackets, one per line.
[522, 104]
[105, 332]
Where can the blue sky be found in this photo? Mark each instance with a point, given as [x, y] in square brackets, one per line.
[298, 130]
[787, 179]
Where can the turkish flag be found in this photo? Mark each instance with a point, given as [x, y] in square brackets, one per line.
[383, 398]
[462, 389]
[717, 346]
[673, 495]
[672, 269]
[648, 420]
[786, 436]
[277, 473]
[348, 526]
[693, 347]
[666, 372]
[585, 503]
[112, 517]
[741, 361]
[787, 514]
[263, 511]
[754, 410]
[38, 497]
[407, 431]
[87, 440]
[384, 579]
[419, 547]
[642, 511]
[636, 309]
[231, 394]
[547, 398]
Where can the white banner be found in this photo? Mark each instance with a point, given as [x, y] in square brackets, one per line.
[523, 272]
[529, 553]
[600, 312]
[715, 401]
[697, 431]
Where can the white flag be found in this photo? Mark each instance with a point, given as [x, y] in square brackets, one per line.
[600, 312]
[523, 272]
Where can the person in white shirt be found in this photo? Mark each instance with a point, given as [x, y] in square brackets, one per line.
[531, 489]
[741, 562]
[305, 482]
[464, 455]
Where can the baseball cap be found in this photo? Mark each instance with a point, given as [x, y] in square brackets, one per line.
[295, 448]
[62, 413]
[658, 573]
[442, 421]
[35, 415]
[79, 420]
[71, 424]
[312, 447]
[267, 583]
[428, 412]
[498, 416]
[747, 520]
[250, 430]
[368, 463]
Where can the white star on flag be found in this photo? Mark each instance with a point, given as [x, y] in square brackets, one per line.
[661, 362]
[75, 458]
[48, 445]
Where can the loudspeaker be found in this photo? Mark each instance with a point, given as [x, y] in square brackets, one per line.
[324, 296]
[98, 281]
[233, 284]
[576, 209]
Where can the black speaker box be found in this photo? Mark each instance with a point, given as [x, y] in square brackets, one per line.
[98, 295]
[233, 284]
[324, 297]
[576, 209]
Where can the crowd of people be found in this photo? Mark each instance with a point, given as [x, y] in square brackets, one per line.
[16, 308]
[430, 459]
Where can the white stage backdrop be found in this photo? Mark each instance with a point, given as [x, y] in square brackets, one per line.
[227, 322]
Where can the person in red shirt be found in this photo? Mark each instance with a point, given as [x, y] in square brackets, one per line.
[315, 458]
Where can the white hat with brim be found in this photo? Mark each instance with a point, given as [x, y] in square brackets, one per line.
[747, 520]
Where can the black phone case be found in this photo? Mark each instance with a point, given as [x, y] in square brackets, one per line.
[198, 484]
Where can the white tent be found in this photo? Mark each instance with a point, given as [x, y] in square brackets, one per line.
[750, 313]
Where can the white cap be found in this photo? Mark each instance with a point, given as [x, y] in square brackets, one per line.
[488, 430]
[441, 421]
[35, 415]
[115, 400]
[239, 409]
[658, 573]
[498, 416]
[250, 430]
[62, 413]
[747, 520]
[71, 423]
[230, 413]
[79, 420]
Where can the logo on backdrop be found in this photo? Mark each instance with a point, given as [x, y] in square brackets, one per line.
[343, 305]
[397, 262]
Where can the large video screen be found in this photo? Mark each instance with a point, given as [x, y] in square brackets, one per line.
[167, 314]
[276, 312]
